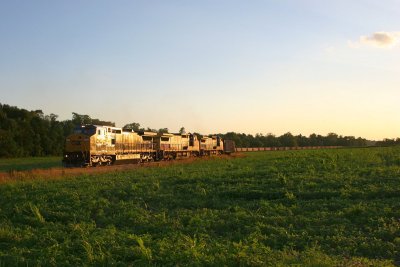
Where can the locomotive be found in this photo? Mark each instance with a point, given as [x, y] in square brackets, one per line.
[94, 145]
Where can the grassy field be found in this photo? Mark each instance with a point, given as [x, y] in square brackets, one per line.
[287, 208]
[22, 164]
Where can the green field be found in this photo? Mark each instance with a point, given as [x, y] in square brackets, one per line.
[22, 164]
[285, 208]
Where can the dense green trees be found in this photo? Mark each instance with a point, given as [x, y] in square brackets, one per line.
[290, 140]
[388, 142]
[78, 119]
[134, 126]
[32, 133]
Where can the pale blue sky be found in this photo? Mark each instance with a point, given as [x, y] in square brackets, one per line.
[211, 66]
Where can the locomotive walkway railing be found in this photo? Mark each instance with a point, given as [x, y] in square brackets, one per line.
[135, 147]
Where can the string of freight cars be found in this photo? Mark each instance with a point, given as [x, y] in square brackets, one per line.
[251, 149]
[94, 145]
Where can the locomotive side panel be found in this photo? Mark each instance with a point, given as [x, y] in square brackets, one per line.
[128, 142]
[170, 146]
[126, 146]
[104, 144]
[135, 146]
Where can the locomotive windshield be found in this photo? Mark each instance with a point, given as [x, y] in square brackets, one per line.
[87, 130]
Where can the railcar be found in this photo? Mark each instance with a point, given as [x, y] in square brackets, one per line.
[172, 146]
[211, 145]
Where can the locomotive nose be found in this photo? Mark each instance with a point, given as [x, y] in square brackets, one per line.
[76, 150]
[77, 142]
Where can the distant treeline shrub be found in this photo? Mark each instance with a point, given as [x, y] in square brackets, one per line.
[389, 142]
[290, 140]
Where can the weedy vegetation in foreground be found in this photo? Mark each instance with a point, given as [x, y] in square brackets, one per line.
[23, 164]
[312, 208]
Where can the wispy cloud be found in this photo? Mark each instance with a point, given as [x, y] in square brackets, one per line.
[329, 49]
[377, 39]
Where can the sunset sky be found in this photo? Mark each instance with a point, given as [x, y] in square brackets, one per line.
[210, 66]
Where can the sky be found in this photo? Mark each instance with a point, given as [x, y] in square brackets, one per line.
[305, 66]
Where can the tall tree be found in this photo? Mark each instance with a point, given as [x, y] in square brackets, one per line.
[182, 130]
[163, 130]
[134, 126]
[288, 140]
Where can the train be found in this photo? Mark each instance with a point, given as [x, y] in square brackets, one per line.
[96, 145]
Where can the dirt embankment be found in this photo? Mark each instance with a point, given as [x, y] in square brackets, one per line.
[60, 173]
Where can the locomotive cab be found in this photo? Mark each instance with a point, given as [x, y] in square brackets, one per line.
[77, 145]
[91, 145]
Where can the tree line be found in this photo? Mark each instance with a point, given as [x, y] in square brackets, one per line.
[290, 140]
[26, 133]
[388, 142]
[32, 133]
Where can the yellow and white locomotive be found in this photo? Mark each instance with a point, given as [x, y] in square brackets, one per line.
[93, 145]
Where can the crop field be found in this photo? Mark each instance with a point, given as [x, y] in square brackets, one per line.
[22, 164]
[285, 208]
